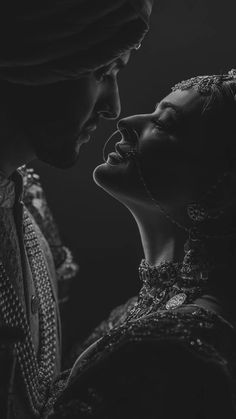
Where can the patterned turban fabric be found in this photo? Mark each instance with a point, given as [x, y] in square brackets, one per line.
[45, 41]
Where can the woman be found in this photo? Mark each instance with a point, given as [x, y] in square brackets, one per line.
[170, 352]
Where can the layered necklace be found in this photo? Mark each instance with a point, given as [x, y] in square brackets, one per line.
[165, 287]
[171, 284]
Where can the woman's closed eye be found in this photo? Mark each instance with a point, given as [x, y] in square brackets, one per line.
[159, 125]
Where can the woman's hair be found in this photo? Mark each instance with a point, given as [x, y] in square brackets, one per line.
[222, 100]
[219, 113]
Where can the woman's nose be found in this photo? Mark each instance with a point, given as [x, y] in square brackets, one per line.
[130, 128]
[132, 123]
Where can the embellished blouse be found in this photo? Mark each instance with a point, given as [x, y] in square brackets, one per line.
[169, 363]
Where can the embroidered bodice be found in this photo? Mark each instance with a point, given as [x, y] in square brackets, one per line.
[146, 355]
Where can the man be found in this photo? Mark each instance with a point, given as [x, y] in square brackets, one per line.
[59, 62]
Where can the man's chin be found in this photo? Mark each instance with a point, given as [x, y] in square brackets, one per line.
[59, 160]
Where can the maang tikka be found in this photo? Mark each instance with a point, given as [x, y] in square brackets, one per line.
[191, 275]
[205, 84]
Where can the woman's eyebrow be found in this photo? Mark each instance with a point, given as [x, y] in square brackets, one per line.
[165, 104]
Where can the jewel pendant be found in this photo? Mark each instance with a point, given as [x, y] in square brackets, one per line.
[176, 301]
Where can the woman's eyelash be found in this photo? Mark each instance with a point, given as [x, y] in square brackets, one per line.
[168, 127]
[158, 124]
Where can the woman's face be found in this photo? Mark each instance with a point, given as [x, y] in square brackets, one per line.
[179, 155]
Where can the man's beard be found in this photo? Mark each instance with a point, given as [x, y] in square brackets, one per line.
[62, 157]
[59, 160]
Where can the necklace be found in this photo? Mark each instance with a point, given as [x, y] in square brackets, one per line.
[166, 287]
[37, 370]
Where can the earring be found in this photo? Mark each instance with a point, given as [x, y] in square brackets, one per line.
[197, 213]
[196, 264]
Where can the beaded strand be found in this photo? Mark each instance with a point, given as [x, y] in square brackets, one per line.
[37, 374]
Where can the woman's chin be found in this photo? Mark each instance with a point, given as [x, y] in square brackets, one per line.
[102, 176]
[111, 177]
[121, 182]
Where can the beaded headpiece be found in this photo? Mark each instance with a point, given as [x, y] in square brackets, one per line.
[205, 84]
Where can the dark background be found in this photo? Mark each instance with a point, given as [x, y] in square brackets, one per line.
[187, 38]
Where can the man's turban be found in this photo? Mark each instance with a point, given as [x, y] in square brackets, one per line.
[45, 41]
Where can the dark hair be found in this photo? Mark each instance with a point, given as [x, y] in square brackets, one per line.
[219, 112]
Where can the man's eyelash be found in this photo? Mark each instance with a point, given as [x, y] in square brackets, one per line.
[100, 75]
[104, 73]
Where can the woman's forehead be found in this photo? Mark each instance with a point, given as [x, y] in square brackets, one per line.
[185, 101]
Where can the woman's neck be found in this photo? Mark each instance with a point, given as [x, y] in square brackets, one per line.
[161, 239]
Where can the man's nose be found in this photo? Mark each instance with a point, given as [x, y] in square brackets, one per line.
[111, 106]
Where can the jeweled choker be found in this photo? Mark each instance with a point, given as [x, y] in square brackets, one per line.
[166, 287]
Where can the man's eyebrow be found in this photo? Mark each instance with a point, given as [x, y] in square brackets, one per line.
[120, 63]
[165, 104]
[117, 64]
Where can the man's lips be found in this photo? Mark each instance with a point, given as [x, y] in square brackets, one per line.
[90, 128]
[91, 125]
[84, 135]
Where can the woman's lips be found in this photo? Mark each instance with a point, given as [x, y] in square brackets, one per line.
[123, 151]
[114, 159]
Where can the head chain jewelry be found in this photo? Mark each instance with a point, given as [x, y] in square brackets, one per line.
[200, 211]
[133, 155]
[205, 84]
[106, 144]
[197, 212]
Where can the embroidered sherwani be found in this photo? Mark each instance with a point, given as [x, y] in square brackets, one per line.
[33, 263]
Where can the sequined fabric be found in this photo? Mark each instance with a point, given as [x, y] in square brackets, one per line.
[35, 200]
[134, 368]
[29, 296]
[7, 192]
